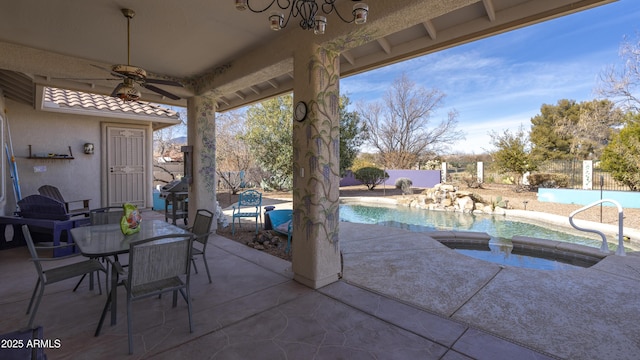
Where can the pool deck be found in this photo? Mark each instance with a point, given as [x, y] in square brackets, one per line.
[403, 295]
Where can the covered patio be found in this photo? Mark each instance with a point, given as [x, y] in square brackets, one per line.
[402, 296]
[226, 58]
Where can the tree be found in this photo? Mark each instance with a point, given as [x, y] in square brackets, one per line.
[167, 144]
[269, 136]
[571, 130]
[371, 176]
[352, 135]
[233, 159]
[269, 133]
[513, 155]
[400, 128]
[623, 83]
[592, 130]
[548, 142]
[622, 156]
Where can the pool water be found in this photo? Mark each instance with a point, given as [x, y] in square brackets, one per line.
[504, 254]
[499, 228]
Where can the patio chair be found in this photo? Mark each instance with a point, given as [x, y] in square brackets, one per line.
[248, 206]
[103, 216]
[53, 193]
[54, 274]
[106, 215]
[156, 265]
[201, 229]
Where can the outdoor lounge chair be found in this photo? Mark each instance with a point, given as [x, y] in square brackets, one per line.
[53, 193]
[282, 222]
[249, 203]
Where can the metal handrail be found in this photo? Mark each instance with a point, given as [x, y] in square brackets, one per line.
[604, 247]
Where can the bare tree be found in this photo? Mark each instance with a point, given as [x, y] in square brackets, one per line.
[232, 153]
[400, 127]
[622, 84]
[167, 144]
[164, 140]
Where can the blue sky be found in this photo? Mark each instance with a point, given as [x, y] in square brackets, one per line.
[501, 82]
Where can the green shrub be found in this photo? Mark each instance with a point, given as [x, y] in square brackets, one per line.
[548, 180]
[370, 176]
[404, 184]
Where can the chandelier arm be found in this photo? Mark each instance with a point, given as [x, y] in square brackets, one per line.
[331, 6]
[307, 11]
[277, 2]
[289, 16]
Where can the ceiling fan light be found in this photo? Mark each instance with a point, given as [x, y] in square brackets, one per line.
[276, 20]
[128, 93]
[360, 12]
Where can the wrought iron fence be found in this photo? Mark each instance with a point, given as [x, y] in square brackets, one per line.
[573, 170]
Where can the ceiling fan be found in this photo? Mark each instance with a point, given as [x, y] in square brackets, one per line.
[133, 75]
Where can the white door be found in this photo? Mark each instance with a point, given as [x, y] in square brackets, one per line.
[126, 165]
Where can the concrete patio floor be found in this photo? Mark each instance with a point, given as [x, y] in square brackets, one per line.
[403, 296]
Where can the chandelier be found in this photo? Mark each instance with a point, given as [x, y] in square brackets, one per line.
[307, 10]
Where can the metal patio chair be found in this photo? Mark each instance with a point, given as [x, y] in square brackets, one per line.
[201, 229]
[248, 206]
[52, 275]
[156, 265]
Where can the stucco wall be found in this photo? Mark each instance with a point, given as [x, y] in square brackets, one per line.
[50, 132]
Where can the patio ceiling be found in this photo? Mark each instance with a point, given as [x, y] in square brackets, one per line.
[214, 49]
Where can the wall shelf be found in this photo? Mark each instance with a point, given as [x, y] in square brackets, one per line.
[50, 156]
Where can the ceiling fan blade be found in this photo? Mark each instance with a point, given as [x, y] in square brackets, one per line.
[114, 93]
[85, 79]
[160, 91]
[164, 82]
[121, 76]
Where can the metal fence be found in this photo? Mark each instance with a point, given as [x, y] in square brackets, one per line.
[572, 169]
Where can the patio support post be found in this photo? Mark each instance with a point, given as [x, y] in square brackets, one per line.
[316, 158]
[201, 134]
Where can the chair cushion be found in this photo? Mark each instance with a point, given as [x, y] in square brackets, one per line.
[284, 227]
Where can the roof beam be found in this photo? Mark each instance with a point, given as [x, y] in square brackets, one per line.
[489, 8]
[431, 29]
[347, 56]
[385, 45]
[273, 83]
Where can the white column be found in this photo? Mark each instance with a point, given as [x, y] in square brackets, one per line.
[201, 134]
[587, 174]
[316, 160]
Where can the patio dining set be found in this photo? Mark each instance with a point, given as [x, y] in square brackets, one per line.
[154, 260]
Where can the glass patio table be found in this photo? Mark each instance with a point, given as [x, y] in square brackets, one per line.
[108, 240]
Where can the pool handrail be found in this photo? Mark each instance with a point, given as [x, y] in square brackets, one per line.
[604, 247]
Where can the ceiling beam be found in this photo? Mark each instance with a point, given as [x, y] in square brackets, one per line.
[385, 45]
[347, 56]
[489, 8]
[431, 29]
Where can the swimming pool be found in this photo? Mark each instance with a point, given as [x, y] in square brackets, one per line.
[498, 228]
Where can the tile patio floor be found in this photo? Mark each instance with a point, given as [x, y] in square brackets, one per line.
[403, 296]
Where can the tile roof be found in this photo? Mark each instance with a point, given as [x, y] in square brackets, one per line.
[77, 100]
